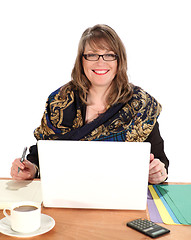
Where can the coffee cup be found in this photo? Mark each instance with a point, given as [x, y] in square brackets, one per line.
[24, 217]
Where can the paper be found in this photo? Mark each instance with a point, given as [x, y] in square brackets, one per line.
[166, 218]
[153, 211]
[12, 191]
[178, 198]
[166, 206]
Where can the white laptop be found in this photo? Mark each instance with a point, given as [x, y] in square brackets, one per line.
[94, 174]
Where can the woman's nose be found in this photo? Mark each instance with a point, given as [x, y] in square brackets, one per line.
[100, 60]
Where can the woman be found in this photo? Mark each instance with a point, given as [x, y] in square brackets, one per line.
[99, 104]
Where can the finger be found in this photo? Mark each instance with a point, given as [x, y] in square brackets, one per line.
[14, 170]
[152, 157]
[17, 163]
[156, 174]
[21, 174]
[155, 169]
[12, 175]
[29, 171]
[156, 163]
[15, 175]
[27, 164]
[158, 177]
[30, 167]
[157, 180]
[24, 174]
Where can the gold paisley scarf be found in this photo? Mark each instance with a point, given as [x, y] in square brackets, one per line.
[64, 119]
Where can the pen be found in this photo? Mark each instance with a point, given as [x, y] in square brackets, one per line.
[23, 157]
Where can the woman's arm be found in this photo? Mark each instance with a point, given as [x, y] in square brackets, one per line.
[158, 170]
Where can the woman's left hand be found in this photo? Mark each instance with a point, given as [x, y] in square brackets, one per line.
[157, 171]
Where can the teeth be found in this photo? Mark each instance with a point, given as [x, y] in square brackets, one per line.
[101, 72]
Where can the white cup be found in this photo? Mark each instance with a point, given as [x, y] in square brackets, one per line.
[24, 217]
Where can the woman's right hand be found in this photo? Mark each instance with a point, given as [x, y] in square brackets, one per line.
[27, 170]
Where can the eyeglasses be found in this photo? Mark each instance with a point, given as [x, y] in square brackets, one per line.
[95, 57]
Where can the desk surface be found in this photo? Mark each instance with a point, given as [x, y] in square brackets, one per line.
[88, 224]
[80, 224]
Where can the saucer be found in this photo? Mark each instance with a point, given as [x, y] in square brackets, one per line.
[47, 223]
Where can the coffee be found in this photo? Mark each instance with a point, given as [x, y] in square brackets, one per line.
[25, 208]
[24, 217]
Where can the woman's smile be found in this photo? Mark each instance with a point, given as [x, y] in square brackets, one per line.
[100, 71]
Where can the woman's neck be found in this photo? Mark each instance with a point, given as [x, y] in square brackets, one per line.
[97, 96]
[96, 103]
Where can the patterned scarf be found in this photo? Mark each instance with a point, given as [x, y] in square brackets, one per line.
[64, 119]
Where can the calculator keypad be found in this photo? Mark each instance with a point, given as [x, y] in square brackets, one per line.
[147, 227]
[144, 225]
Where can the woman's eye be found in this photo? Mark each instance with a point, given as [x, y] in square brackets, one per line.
[91, 55]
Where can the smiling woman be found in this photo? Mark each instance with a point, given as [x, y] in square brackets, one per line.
[99, 71]
[99, 104]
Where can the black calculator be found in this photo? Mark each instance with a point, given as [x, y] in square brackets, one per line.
[147, 227]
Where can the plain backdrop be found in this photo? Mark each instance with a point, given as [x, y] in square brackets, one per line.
[38, 46]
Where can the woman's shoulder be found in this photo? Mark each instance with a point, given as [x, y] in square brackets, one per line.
[140, 94]
[58, 94]
[143, 100]
[138, 91]
[55, 93]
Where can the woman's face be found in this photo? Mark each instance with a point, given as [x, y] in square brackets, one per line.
[100, 73]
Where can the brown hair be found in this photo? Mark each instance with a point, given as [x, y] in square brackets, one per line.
[102, 37]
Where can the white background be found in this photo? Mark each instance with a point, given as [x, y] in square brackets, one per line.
[38, 45]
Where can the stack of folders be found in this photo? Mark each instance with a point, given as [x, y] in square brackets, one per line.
[170, 204]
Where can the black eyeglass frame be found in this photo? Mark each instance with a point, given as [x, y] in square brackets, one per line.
[98, 57]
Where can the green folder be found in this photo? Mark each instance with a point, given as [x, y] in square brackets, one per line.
[178, 198]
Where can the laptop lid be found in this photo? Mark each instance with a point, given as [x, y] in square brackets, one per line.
[94, 174]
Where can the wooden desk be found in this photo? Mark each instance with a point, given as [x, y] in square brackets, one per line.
[87, 224]
[80, 224]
